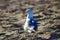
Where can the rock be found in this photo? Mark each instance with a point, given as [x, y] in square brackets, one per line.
[3, 4]
[10, 33]
[6, 26]
[2, 38]
[1, 31]
[45, 36]
[14, 36]
[27, 6]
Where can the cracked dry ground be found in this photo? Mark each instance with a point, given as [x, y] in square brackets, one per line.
[12, 18]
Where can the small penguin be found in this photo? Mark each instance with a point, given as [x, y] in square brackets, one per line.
[30, 24]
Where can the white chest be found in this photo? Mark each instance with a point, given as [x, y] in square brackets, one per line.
[26, 24]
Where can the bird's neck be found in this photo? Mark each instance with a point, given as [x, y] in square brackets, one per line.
[27, 19]
[29, 16]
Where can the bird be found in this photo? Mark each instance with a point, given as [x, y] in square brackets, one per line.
[30, 23]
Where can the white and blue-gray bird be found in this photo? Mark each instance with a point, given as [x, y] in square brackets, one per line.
[30, 24]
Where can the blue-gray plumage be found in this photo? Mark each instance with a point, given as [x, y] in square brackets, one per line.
[30, 24]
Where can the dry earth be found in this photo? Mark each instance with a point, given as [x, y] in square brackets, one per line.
[12, 18]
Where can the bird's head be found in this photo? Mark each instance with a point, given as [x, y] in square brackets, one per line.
[29, 13]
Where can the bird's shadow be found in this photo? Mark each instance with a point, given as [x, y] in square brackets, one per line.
[54, 36]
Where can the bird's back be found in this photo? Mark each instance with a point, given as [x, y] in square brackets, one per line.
[33, 23]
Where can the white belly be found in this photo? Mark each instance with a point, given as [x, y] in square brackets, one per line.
[26, 24]
[27, 27]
